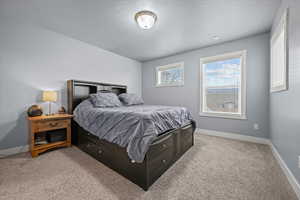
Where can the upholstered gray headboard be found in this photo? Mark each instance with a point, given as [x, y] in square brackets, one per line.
[80, 90]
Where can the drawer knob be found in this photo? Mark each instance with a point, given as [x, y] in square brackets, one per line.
[100, 151]
[88, 145]
[164, 161]
[164, 146]
[53, 124]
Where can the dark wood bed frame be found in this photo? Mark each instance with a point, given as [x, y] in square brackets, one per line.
[162, 154]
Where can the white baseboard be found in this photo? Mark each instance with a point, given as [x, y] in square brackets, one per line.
[14, 150]
[291, 178]
[233, 136]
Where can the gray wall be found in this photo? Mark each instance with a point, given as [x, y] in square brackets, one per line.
[189, 95]
[284, 106]
[33, 59]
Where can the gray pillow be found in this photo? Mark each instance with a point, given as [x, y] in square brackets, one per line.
[103, 100]
[130, 99]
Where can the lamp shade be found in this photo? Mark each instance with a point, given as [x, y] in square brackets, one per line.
[50, 96]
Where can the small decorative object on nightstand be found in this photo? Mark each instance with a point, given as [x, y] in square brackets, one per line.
[62, 110]
[34, 111]
[46, 124]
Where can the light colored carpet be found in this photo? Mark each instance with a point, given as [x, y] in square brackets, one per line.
[213, 169]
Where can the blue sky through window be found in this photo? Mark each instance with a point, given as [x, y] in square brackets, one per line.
[225, 73]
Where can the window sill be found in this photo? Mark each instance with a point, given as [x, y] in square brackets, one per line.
[278, 89]
[225, 116]
[171, 85]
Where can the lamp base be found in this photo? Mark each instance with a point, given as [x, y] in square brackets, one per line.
[49, 112]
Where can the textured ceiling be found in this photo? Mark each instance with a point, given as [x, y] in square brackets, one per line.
[182, 24]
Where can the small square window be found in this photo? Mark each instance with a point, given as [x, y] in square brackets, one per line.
[170, 75]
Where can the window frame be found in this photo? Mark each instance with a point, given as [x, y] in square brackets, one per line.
[166, 67]
[243, 97]
[282, 27]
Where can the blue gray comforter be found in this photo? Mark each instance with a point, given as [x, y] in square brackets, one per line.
[133, 127]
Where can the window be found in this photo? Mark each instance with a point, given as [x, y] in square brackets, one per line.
[279, 56]
[223, 86]
[170, 75]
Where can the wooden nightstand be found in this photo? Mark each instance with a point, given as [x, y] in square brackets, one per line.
[48, 123]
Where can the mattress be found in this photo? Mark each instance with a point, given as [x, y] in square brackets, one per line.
[131, 127]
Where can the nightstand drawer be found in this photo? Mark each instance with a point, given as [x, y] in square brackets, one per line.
[50, 125]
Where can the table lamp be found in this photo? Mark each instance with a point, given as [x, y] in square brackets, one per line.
[49, 96]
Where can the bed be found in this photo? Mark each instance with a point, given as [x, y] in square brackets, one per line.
[154, 156]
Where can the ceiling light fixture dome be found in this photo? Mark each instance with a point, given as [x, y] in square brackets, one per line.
[145, 19]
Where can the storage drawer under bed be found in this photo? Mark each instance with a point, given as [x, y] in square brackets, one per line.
[186, 138]
[160, 145]
[158, 165]
[94, 147]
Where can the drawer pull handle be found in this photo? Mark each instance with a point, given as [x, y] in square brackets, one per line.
[53, 124]
[164, 161]
[164, 146]
[162, 139]
[186, 127]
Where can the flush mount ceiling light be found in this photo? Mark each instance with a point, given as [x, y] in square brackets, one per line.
[145, 19]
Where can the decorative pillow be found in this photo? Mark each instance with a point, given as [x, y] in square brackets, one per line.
[105, 100]
[130, 99]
